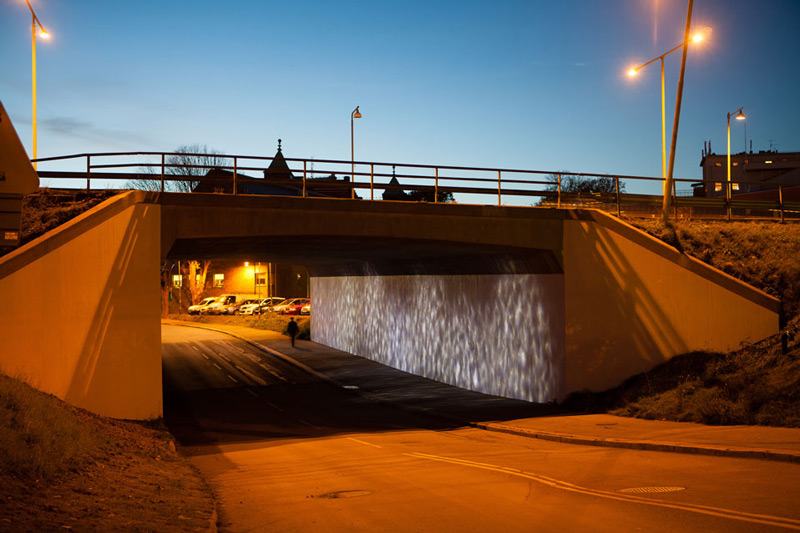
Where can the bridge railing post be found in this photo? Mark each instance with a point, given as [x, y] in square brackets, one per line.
[499, 190]
[372, 181]
[559, 191]
[436, 185]
[235, 168]
[88, 172]
[616, 182]
[304, 178]
[162, 172]
[780, 201]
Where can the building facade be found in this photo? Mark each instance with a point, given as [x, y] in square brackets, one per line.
[750, 172]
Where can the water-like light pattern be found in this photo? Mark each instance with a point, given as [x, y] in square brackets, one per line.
[498, 334]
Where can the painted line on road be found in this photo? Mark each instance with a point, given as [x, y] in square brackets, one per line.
[224, 357]
[272, 372]
[731, 514]
[233, 379]
[204, 355]
[218, 367]
[276, 407]
[251, 393]
[364, 442]
[251, 375]
[308, 423]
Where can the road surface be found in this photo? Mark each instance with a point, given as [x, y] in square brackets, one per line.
[285, 451]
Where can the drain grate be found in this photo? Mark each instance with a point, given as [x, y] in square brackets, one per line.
[640, 490]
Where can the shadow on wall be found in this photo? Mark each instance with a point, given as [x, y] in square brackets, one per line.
[121, 332]
[497, 334]
[618, 322]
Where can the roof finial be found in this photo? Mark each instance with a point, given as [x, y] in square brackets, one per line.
[279, 145]
[393, 174]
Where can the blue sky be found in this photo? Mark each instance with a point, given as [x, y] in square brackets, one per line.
[530, 84]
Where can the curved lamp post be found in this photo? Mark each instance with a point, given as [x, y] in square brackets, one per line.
[355, 114]
[44, 35]
[739, 116]
[633, 72]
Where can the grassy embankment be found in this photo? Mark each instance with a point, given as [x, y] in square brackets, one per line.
[62, 468]
[757, 384]
[267, 321]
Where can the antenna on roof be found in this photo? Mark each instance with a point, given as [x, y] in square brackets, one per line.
[279, 145]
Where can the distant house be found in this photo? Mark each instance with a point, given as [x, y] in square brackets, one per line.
[761, 171]
[278, 180]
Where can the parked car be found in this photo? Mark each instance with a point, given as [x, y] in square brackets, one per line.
[223, 305]
[306, 309]
[282, 305]
[267, 304]
[198, 308]
[248, 306]
[295, 306]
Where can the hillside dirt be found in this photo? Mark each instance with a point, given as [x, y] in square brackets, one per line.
[129, 478]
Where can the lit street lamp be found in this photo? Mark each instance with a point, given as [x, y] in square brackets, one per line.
[354, 114]
[633, 72]
[44, 35]
[739, 116]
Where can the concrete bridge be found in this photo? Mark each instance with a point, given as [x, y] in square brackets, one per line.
[519, 302]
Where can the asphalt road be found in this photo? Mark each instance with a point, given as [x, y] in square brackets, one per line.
[284, 451]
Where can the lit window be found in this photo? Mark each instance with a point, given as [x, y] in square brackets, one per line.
[735, 163]
[219, 280]
[717, 164]
[768, 162]
[735, 186]
[717, 186]
[261, 279]
[177, 281]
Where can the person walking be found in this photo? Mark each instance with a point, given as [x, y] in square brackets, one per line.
[292, 329]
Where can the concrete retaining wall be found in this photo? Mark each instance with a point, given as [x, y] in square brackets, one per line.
[84, 324]
[632, 302]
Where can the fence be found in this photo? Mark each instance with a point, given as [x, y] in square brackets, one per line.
[169, 171]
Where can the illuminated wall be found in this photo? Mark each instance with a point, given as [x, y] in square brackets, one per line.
[498, 334]
[85, 321]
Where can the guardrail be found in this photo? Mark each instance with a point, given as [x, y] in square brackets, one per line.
[226, 173]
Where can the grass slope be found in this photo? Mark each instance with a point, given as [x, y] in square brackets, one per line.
[63, 468]
[757, 384]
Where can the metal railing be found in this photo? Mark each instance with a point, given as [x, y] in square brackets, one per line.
[231, 174]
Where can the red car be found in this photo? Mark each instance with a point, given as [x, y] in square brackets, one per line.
[295, 306]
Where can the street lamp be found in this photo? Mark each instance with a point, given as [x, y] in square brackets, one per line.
[44, 35]
[633, 72]
[739, 116]
[354, 114]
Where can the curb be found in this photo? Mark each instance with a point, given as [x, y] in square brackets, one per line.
[652, 446]
[564, 438]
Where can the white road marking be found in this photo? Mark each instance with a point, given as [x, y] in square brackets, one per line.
[251, 393]
[204, 355]
[272, 372]
[364, 442]
[218, 367]
[276, 407]
[233, 379]
[308, 423]
[778, 521]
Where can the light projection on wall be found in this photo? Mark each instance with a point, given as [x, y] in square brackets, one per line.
[497, 334]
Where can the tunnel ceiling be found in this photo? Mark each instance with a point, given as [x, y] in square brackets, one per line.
[355, 256]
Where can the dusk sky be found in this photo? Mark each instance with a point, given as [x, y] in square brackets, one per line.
[528, 84]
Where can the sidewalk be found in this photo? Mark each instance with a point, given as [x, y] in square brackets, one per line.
[406, 391]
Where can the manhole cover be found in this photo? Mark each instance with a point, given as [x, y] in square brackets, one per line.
[652, 489]
[343, 494]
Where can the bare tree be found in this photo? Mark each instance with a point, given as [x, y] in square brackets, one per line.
[197, 271]
[579, 187]
[190, 162]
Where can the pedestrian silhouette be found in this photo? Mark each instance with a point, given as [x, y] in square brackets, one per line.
[292, 329]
